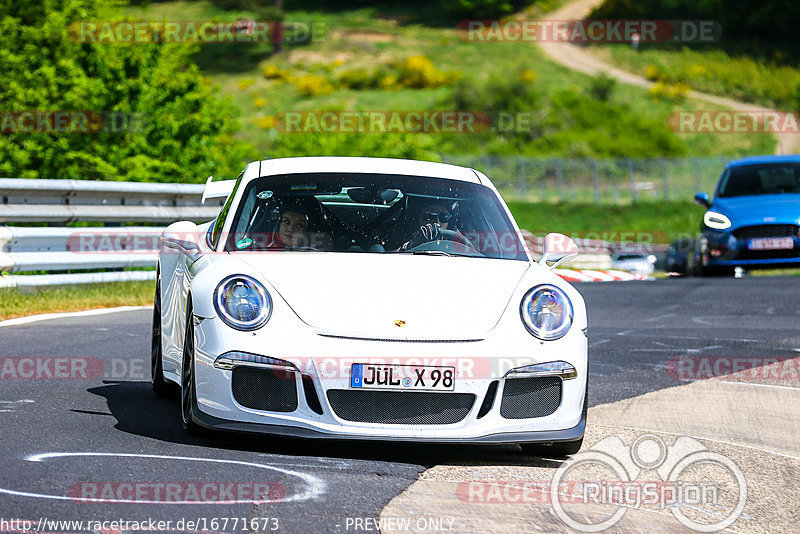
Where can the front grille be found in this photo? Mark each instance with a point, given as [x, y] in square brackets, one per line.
[530, 397]
[400, 407]
[264, 389]
[768, 254]
[766, 230]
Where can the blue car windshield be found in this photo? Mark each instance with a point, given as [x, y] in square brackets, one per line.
[760, 179]
[373, 213]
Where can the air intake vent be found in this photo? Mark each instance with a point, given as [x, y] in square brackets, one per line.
[311, 394]
[264, 389]
[524, 398]
[400, 407]
[767, 230]
[488, 400]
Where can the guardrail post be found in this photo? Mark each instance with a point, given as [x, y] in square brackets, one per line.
[632, 179]
[560, 178]
[523, 178]
[666, 178]
[596, 181]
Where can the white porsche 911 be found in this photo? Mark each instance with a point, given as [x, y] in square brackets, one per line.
[368, 298]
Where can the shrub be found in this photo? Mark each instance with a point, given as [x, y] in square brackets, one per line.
[527, 75]
[357, 79]
[652, 73]
[418, 72]
[313, 85]
[665, 91]
[186, 131]
[602, 87]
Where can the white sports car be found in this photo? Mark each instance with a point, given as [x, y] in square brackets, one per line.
[368, 298]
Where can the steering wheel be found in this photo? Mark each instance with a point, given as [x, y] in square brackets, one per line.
[449, 237]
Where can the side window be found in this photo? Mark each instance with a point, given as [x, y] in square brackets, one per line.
[216, 229]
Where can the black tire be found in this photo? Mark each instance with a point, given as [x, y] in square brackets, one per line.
[161, 387]
[710, 272]
[188, 393]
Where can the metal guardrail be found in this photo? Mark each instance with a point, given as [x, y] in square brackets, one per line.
[60, 249]
[63, 201]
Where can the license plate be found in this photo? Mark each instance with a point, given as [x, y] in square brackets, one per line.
[407, 377]
[771, 243]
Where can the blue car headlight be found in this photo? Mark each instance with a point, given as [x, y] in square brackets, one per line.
[242, 302]
[546, 312]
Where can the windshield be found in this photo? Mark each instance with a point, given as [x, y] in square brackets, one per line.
[761, 179]
[373, 213]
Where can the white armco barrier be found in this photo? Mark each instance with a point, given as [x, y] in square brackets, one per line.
[32, 249]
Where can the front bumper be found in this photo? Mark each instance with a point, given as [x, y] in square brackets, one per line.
[328, 370]
[541, 436]
[723, 249]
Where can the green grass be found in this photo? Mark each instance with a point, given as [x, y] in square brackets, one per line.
[360, 39]
[20, 302]
[712, 71]
[658, 222]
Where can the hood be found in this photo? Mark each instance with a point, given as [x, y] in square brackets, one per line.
[760, 209]
[367, 295]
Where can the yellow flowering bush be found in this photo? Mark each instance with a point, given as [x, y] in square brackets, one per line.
[313, 85]
[266, 122]
[419, 72]
[652, 73]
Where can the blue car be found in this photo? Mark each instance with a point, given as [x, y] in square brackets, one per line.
[754, 220]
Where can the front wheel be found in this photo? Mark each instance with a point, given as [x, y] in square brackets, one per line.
[188, 394]
[161, 387]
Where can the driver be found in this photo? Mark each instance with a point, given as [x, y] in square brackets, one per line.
[432, 218]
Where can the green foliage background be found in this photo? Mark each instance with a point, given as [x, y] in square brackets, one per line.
[187, 131]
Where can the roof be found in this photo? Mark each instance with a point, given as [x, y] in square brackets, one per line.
[790, 158]
[367, 165]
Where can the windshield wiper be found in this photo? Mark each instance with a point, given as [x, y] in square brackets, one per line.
[430, 252]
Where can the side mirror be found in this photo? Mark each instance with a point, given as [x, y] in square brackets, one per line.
[183, 237]
[702, 199]
[558, 248]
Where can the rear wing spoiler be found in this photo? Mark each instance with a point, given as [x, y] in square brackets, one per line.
[219, 189]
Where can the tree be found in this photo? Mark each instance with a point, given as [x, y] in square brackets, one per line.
[158, 119]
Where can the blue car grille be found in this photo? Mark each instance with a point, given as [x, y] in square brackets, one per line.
[766, 230]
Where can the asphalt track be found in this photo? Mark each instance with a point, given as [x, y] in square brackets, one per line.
[116, 431]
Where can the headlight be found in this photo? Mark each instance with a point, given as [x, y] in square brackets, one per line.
[546, 312]
[242, 302]
[715, 220]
